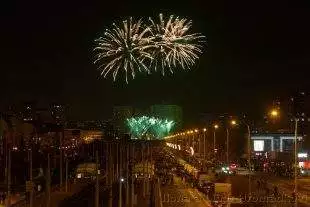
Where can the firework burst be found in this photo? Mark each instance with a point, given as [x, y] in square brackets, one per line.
[132, 46]
[123, 47]
[172, 45]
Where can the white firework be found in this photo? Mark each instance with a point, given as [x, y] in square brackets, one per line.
[123, 47]
[173, 46]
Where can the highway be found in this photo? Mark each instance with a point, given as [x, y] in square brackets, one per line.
[180, 194]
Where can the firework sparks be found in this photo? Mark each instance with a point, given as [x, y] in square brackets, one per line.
[144, 126]
[123, 47]
[134, 47]
[173, 46]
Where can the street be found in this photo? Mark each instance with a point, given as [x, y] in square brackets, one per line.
[181, 194]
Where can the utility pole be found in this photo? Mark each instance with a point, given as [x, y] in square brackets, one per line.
[107, 164]
[127, 174]
[249, 155]
[60, 162]
[97, 181]
[8, 204]
[204, 144]
[295, 164]
[110, 175]
[204, 149]
[227, 146]
[120, 178]
[30, 176]
[132, 176]
[143, 165]
[214, 139]
[117, 160]
[48, 181]
[66, 174]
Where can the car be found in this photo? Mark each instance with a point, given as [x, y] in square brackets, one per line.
[243, 171]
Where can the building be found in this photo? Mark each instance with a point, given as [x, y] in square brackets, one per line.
[58, 113]
[120, 116]
[274, 145]
[170, 112]
[28, 111]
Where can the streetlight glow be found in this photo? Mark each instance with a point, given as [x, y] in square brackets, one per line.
[233, 122]
[216, 126]
[274, 113]
[204, 129]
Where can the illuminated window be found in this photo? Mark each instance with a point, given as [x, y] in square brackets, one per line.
[259, 145]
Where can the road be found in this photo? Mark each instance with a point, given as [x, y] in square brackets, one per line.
[259, 196]
[179, 194]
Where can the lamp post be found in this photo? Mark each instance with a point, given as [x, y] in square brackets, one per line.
[249, 154]
[232, 123]
[204, 143]
[248, 149]
[295, 163]
[204, 148]
[197, 139]
[214, 139]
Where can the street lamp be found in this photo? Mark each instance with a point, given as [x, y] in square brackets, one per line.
[274, 113]
[295, 162]
[232, 123]
[214, 138]
[204, 143]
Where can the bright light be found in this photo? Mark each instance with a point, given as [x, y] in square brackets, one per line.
[216, 126]
[302, 155]
[122, 179]
[79, 175]
[196, 130]
[143, 125]
[274, 113]
[233, 122]
[259, 145]
[131, 46]
[204, 129]
[192, 150]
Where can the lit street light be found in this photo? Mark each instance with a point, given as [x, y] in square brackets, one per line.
[274, 113]
[232, 123]
[214, 139]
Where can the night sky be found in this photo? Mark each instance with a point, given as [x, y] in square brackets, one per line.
[256, 52]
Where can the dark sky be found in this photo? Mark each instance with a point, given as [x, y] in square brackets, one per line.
[256, 51]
